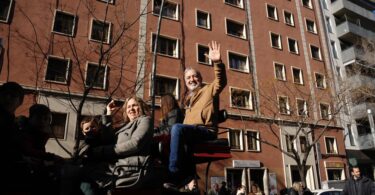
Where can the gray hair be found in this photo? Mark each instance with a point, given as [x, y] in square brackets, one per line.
[197, 71]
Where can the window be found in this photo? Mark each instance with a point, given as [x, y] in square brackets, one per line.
[276, 41]
[334, 50]
[320, 81]
[57, 69]
[64, 23]
[363, 126]
[170, 10]
[288, 18]
[100, 31]
[252, 140]
[165, 85]
[307, 3]
[5, 7]
[315, 52]
[302, 107]
[283, 105]
[297, 76]
[335, 174]
[310, 26]
[329, 25]
[241, 98]
[303, 143]
[109, 1]
[325, 112]
[272, 12]
[293, 46]
[280, 72]
[96, 75]
[58, 125]
[290, 143]
[203, 19]
[236, 29]
[237, 3]
[166, 46]
[235, 139]
[238, 62]
[202, 58]
[331, 146]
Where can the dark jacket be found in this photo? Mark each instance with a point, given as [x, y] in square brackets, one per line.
[362, 186]
[173, 117]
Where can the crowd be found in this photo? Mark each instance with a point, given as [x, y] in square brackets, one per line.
[29, 168]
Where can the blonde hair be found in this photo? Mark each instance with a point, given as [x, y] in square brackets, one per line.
[143, 107]
[297, 186]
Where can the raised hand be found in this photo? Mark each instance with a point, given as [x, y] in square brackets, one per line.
[214, 52]
[111, 107]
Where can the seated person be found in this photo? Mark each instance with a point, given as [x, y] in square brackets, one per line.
[95, 134]
[201, 108]
[34, 133]
[171, 114]
[131, 149]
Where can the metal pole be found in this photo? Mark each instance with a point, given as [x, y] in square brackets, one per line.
[153, 71]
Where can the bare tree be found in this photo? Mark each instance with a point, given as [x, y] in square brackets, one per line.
[110, 44]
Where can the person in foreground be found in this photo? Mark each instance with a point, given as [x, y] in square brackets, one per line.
[201, 108]
[131, 150]
[357, 184]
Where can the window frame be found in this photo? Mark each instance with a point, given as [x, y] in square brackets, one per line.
[200, 62]
[258, 144]
[208, 19]
[279, 40]
[109, 1]
[291, 18]
[311, 53]
[315, 30]
[235, 5]
[109, 31]
[310, 6]
[177, 88]
[283, 71]
[335, 148]
[247, 70]
[275, 12]
[177, 48]
[73, 27]
[105, 75]
[244, 32]
[8, 14]
[288, 143]
[177, 18]
[300, 143]
[316, 81]
[305, 107]
[65, 126]
[342, 173]
[328, 111]
[250, 97]
[300, 75]
[66, 73]
[240, 139]
[295, 45]
[287, 104]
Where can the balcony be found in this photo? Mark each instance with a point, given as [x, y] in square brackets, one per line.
[360, 110]
[342, 7]
[349, 31]
[358, 81]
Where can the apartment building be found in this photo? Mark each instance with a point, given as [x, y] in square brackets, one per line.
[280, 95]
[350, 34]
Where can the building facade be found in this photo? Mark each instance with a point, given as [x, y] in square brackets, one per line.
[351, 41]
[280, 94]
